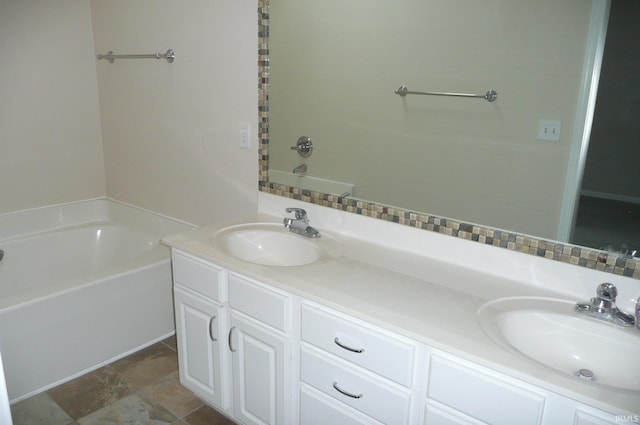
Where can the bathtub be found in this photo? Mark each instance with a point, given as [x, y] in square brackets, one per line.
[81, 284]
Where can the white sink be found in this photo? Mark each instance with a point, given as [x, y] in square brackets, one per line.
[271, 244]
[549, 332]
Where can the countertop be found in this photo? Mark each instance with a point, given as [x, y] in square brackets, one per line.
[425, 299]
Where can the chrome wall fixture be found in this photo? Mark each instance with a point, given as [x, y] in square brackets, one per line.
[489, 96]
[168, 55]
[304, 146]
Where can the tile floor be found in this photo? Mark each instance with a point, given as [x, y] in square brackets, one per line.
[140, 389]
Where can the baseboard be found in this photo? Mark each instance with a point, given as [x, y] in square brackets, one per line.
[610, 196]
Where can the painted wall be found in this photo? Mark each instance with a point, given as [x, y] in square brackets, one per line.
[170, 131]
[461, 158]
[50, 138]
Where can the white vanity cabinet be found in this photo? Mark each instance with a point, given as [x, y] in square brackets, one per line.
[260, 344]
[267, 357]
[234, 350]
[352, 372]
[199, 291]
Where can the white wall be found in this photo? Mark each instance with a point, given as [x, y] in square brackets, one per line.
[170, 131]
[50, 140]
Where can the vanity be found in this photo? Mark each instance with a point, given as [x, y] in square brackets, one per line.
[375, 323]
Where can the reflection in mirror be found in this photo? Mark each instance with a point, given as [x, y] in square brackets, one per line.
[609, 208]
[332, 78]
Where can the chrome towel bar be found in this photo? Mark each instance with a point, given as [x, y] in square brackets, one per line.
[489, 96]
[168, 55]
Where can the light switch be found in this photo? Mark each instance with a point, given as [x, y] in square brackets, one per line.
[549, 130]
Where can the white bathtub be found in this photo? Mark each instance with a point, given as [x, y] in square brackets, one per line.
[81, 285]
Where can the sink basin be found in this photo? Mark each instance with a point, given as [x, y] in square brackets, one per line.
[549, 332]
[271, 244]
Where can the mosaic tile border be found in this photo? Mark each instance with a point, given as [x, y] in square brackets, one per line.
[553, 250]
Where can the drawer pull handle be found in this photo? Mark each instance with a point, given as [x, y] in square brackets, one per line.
[353, 350]
[233, 350]
[343, 392]
[214, 339]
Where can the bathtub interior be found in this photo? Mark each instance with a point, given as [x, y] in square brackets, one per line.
[49, 250]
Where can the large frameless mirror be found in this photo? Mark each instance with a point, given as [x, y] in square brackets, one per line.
[500, 139]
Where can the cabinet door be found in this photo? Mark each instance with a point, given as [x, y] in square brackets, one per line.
[201, 360]
[259, 374]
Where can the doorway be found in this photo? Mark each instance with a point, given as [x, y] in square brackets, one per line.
[608, 213]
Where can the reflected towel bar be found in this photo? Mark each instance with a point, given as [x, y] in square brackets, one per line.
[168, 55]
[489, 96]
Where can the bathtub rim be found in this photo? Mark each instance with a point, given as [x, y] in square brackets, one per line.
[79, 203]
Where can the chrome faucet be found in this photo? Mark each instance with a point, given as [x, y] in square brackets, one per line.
[302, 168]
[603, 307]
[300, 225]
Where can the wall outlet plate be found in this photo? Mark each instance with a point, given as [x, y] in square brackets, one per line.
[245, 135]
[549, 130]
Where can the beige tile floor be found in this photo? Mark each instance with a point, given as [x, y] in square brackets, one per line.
[140, 389]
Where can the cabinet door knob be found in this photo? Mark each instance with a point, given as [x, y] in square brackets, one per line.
[341, 345]
[343, 392]
[233, 350]
[213, 338]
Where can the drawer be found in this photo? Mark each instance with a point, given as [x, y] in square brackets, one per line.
[434, 415]
[198, 275]
[359, 343]
[259, 302]
[367, 394]
[317, 408]
[583, 418]
[487, 398]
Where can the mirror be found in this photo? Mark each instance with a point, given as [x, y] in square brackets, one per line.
[330, 71]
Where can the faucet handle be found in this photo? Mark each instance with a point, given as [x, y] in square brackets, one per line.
[304, 146]
[299, 212]
[607, 292]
